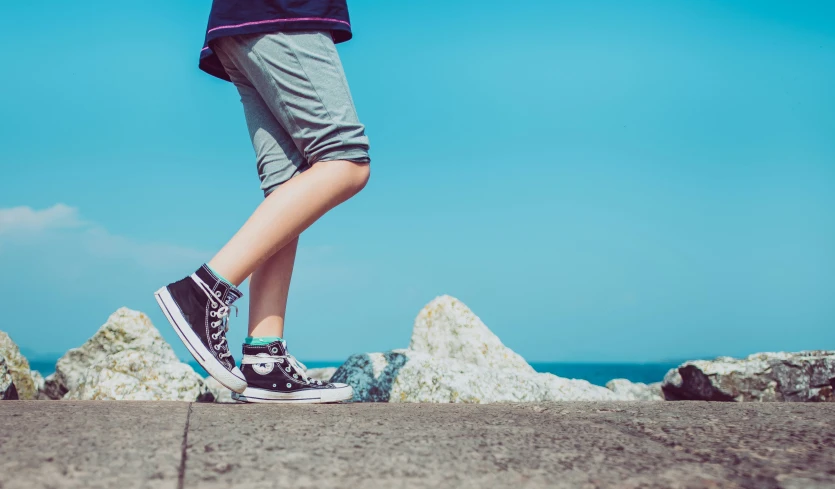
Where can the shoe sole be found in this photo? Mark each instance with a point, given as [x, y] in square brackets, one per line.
[312, 396]
[196, 347]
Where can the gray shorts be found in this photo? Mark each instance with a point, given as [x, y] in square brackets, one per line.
[296, 101]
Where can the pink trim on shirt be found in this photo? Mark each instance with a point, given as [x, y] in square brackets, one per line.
[273, 21]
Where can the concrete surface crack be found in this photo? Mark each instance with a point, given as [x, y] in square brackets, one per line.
[181, 476]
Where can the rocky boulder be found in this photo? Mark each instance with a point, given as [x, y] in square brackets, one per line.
[635, 391]
[453, 357]
[128, 359]
[797, 377]
[8, 391]
[135, 375]
[446, 328]
[17, 368]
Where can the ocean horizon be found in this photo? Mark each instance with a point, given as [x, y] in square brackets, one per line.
[594, 372]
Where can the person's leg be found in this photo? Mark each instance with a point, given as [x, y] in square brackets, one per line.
[197, 306]
[278, 161]
[268, 289]
[301, 77]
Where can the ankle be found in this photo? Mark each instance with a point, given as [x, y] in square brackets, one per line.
[263, 325]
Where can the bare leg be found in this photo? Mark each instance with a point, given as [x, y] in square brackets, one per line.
[268, 288]
[287, 212]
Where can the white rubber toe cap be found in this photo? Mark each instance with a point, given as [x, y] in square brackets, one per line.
[237, 373]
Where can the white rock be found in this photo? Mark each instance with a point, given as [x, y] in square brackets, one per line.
[17, 367]
[801, 376]
[453, 357]
[39, 382]
[137, 376]
[412, 376]
[125, 329]
[127, 358]
[447, 328]
[324, 374]
[635, 391]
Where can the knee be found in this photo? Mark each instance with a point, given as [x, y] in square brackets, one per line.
[348, 177]
[354, 176]
[361, 175]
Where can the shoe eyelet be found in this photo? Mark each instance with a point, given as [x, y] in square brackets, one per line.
[295, 376]
[287, 369]
[274, 386]
[217, 293]
[212, 313]
[216, 347]
[274, 350]
[281, 360]
[289, 385]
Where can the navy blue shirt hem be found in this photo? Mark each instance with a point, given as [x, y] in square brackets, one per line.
[210, 63]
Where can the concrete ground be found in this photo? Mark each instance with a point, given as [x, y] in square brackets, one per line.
[60, 444]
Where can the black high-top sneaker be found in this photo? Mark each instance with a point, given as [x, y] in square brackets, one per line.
[198, 309]
[273, 375]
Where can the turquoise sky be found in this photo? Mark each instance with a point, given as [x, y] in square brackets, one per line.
[598, 180]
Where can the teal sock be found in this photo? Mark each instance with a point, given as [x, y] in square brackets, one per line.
[260, 340]
[222, 279]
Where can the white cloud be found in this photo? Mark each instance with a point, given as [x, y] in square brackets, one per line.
[60, 238]
[60, 232]
[27, 220]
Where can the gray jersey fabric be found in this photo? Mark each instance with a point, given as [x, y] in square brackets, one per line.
[296, 100]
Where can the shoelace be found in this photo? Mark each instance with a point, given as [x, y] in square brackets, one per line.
[222, 315]
[298, 366]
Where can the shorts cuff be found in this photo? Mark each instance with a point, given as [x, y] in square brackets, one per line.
[357, 156]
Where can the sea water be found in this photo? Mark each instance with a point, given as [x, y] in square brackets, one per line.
[596, 373]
